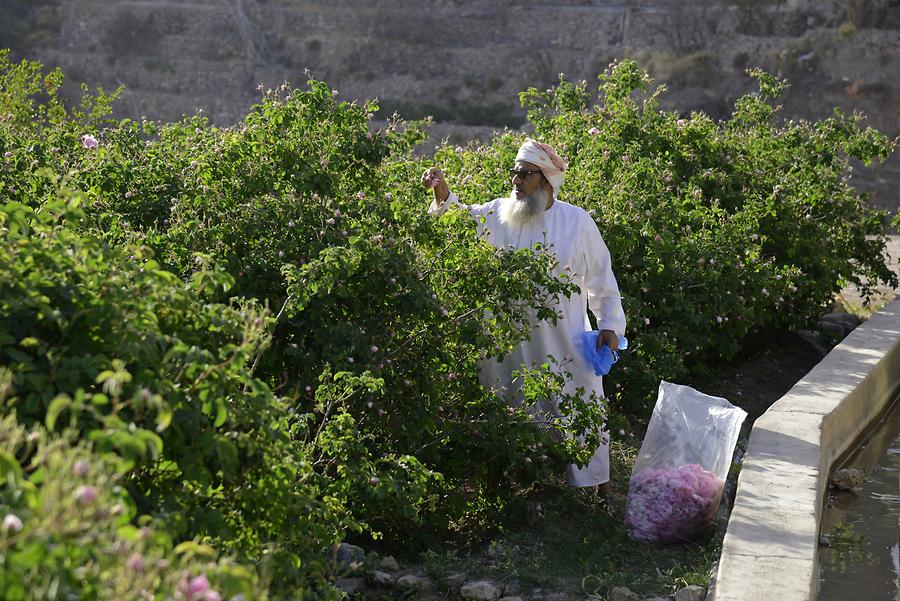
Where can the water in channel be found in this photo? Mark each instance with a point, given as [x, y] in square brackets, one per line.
[859, 556]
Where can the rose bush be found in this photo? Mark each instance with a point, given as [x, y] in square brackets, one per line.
[102, 341]
[262, 322]
[68, 531]
[720, 233]
[281, 348]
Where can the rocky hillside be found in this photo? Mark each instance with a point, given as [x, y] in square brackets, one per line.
[465, 61]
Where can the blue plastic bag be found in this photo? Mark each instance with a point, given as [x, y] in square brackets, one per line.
[601, 359]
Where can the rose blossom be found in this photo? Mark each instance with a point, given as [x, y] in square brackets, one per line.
[85, 495]
[12, 524]
[89, 141]
[136, 562]
[195, 588]
[667, 505]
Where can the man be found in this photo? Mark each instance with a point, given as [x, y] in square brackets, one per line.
[533, 214]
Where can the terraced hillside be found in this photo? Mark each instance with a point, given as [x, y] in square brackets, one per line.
[464, 61]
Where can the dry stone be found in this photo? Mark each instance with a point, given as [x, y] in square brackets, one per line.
[413, 583]
[623, 593]
[512, 598]
[350, 585]
[480, 590]
[382, 578]
[838, 323]
[453, 582]
[513, 588]
[691, 593]
[346, 555]
[389, 564]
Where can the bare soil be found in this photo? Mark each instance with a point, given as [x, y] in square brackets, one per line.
[753, 381]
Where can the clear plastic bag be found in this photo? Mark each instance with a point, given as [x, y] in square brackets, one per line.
[677, 480]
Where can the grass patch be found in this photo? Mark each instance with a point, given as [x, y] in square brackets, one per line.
[564, 539]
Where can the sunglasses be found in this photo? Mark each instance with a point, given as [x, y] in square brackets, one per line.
[523, 173]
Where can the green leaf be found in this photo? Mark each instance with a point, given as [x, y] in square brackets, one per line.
[152, 442]
[227, 453]
[163, 419]
[221, 415]
[17, 355]
[9, 467]
[57, 406]
[195, 549]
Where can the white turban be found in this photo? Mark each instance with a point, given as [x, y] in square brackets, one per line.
[553, 167]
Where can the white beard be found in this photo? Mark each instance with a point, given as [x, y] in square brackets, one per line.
[516, 212]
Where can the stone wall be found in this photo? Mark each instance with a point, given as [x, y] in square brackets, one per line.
[465, 61]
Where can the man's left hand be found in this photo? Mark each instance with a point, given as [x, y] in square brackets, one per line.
[610, 338]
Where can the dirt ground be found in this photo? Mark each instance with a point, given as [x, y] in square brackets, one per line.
[754, 381]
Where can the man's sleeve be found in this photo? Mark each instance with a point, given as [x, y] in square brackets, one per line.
[602, 290]
[439, 209]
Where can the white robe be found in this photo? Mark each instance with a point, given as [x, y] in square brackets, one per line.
[571, 234]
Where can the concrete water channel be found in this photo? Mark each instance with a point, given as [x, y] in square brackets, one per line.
[771, 549]
[859, 556]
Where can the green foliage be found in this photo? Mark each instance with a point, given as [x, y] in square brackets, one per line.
[100, 339]
[68, 532]
[719, 232]
[278, 348]
[138, 266]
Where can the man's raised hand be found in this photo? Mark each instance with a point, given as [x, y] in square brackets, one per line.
[434, 178]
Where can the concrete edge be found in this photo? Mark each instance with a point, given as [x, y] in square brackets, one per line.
[770, 549]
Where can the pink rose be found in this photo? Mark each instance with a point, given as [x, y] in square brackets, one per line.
[12, 524]
[85, 495]
[670, 505]
[81, 468]
[197, 587]
[594, 131]
[136, 562]
[89, 141]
